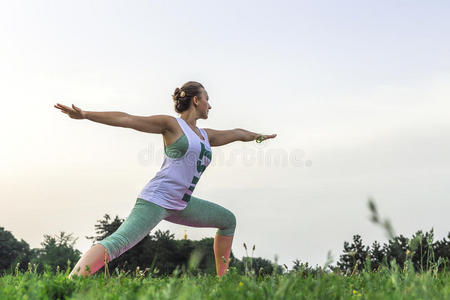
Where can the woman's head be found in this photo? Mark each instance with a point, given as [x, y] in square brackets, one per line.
[192, 96]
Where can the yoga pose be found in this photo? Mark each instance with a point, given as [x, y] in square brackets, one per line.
[168, 196]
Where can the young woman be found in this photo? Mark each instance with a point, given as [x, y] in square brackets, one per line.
[168, 196]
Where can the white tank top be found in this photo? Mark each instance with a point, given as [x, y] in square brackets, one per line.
[174, 183]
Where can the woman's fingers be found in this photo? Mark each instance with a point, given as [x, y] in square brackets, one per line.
[60, 106]
[73, 112]
[65, 109]
[270, 136]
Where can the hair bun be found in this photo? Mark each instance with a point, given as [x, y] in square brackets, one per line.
[175, 94]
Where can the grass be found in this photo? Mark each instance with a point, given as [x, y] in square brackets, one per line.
[388, 283]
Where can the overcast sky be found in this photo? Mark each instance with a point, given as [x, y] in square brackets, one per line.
[357, 92]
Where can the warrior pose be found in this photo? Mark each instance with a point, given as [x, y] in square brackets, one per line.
[168, 196]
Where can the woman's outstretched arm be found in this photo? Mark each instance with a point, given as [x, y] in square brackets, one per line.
[223, 137]
[150, 124]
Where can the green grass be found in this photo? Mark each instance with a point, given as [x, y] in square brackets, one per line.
[387, 283]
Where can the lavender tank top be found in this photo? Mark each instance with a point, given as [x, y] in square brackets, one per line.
[174, 183]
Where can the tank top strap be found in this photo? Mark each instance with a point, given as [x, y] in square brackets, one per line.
[205, 135]
[183, 126]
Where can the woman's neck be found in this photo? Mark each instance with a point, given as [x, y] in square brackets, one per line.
[190, 119]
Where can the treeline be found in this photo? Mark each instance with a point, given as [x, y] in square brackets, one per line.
[421, 250]
[160, 254]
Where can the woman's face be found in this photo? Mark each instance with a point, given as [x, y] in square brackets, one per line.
[203, 106]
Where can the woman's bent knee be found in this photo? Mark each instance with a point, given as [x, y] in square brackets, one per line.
[230, 225]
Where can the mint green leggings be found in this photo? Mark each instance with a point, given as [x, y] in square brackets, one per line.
[146, 215]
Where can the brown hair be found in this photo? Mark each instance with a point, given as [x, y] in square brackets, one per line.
[183, 96]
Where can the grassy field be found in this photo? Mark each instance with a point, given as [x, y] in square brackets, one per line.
[387, 283]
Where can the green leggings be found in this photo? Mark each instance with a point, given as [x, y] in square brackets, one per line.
[146, 215]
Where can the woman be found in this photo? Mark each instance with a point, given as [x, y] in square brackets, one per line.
[168, 196]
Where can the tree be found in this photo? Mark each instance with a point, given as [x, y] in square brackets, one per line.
[354, 256]
[12, 252]
[377, 254]
[105, 228]
[56, 251]
[442, 250]
[396, 249]
[304, 269]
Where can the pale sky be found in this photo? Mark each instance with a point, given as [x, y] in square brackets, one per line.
[357, 93]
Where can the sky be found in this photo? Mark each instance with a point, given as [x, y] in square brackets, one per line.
[357, 92]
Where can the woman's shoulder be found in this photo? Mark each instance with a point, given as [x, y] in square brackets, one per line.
[172, 124]
[169, 122]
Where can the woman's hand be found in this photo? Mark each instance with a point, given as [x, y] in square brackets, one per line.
[263, 137]
[74, 113]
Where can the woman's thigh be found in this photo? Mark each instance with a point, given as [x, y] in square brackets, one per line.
[143, 218]
[202, 213]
